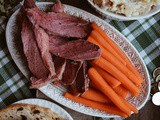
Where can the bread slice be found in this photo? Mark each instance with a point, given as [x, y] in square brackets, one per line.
[28, 112]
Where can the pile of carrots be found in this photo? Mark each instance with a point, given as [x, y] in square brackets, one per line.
[112, 77]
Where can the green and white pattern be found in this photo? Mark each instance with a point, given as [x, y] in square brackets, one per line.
[143, 34]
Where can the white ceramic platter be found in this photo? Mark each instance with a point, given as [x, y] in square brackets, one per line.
[56, 92]
[44, 103]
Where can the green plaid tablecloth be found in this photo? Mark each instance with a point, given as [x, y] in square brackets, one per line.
[143, 34]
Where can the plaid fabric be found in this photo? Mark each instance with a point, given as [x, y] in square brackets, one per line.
[143, 34]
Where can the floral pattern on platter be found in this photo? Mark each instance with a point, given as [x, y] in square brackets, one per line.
[56, 92]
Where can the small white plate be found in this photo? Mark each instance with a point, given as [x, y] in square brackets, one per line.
[44, 103]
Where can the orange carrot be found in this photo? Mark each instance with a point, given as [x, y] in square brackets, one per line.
[129, 105]
[121, 95]
[112, 59]
[113, 82]
[95, 95]
[105, 44]
[107, 66]
[107, 90]
[120, 90]
[100, 106]
[118, 50]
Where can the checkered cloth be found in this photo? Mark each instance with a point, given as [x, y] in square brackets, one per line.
[143, 34]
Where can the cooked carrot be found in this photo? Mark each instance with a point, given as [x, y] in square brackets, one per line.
[113, 82]
[118, 50]
[107, 66]
[120, 90]
[105, 44]
[107, 90]
[100, 106]
[129, 105]
[112, 59]
[134, 70]
[95, 95]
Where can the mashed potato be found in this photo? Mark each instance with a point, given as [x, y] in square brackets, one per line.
[127, 8]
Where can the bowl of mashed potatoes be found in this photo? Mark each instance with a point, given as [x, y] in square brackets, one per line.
[125, 10]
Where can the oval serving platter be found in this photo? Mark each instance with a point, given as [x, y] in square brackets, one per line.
[56, 92]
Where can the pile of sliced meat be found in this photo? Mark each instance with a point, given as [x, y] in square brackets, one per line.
[55, 46]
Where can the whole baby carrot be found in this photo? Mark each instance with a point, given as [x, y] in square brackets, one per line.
[107, 66]
[107, 90]
[96, 105]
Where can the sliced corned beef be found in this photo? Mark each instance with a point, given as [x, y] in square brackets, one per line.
[70, 72]
[36, 83]
[81, 83]
[61, 24]
[31, 51]
[29, 4]
[55, 40]
[77, 50]
[60, 64]
[43, 43]
[58, 7]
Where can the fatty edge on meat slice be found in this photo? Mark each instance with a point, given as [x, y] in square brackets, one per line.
[36, 83]
[81, 83]
[60, 64]
[43, 43]
[71, 71]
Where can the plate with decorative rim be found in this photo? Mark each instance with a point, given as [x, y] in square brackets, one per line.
[56, 92]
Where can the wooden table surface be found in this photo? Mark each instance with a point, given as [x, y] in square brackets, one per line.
[149, 111]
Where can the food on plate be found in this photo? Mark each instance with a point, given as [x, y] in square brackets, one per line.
[59, 23]
[122, 91]
[106, 45]
[70, 74]
[66, 50]
[117, 49]
[58, 7]
[23, 111]
[107, 90]
[108, 108]
[112, 78]
[107, 66]
[95, 95]
[81, 83]
[113, 82]
[127, 8]
[77, 50]
[51, 41]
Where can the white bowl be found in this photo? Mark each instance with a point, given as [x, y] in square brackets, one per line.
[119, 17]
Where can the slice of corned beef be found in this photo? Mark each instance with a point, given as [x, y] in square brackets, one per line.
[36, 83]
[22, 14]
[43, 44]
[58, 7]
[29, 4]
[77, 50]
[81, 83]
[60, 64]
[31, 51]
[55, 40]
[61, 24]
[71, 71]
